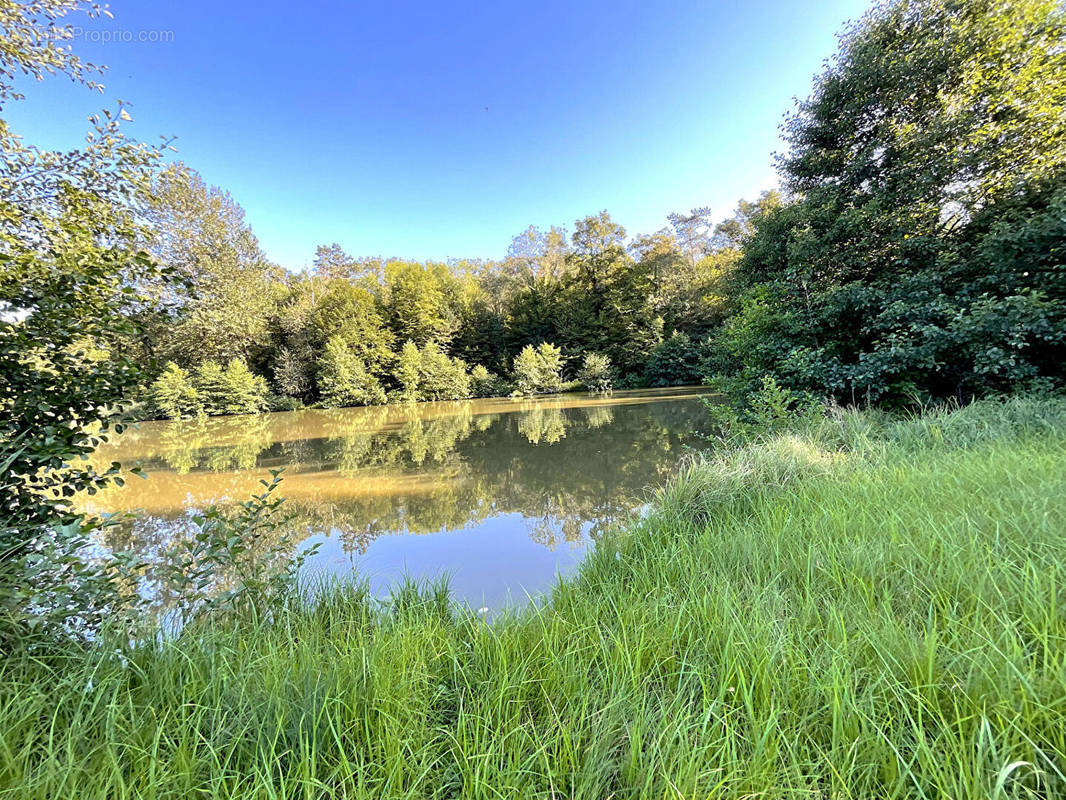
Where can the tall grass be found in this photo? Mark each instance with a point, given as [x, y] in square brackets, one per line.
[873, 607]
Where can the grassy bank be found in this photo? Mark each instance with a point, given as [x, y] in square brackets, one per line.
[872, 608]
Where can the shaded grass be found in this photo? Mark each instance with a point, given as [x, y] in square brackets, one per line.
[871, 608]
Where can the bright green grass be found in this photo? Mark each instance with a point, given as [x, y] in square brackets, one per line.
[871, 609]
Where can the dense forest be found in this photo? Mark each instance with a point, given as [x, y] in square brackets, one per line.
[914, 253]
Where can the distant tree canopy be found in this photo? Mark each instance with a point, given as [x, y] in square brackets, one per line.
[352, 331]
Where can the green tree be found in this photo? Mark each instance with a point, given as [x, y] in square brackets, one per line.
[173, 394]
[936, 135]
[485, 384]
[408, 371]
[608, 298]
[331, 261]
[416, 301]
[693, 231]
[678, 361]
[351, 313]
[428, 373]
[536, 370]
[481, 305]
[210, 381]
[596, 373]
[344, 379]
[532, 278]
[292, 374]
[245, 392]
[199, 232]
[234, 389]
[441, 377]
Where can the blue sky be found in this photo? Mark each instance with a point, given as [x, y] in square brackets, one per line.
[439, 130]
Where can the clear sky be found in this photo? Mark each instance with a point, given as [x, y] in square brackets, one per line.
[439, 130]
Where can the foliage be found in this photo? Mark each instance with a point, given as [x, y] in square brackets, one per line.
[485, 384]
[415, 300]
[596, 374]
[173, 394]
[427, 373]
[915, 254]
[798, 617]
[33, 43]
[350, 312]
[232, 562]
[677, 361]
[605, 304]
[199, 233]
[536, 370]
[70, 268]
[922, 255]
[441, 377]
[592, 294]
[284, 403]
[291, 374]
[343, 378]
[769, 409]
[407, 369]
[233, 390]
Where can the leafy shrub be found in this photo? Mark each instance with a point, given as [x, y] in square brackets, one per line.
[486, 384]
[343, 379]
[431, 374]
[291, 373]
[596, 373]
[280, 402]
[441, 377]
[246, 392]
[173, 395]
[769, 409]
[678, 361]
[211, 384]
[233, 390]
[235, 561]
[536, 370]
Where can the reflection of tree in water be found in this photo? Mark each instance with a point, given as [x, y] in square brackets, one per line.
[369, 442]
[435, 439]
[214, 444]
[566, 486]
[543, 424]
[567, 471]
[598, 416]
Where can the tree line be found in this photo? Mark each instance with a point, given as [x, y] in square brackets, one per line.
[591, 308]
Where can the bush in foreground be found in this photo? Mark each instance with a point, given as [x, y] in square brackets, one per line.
[868, 608]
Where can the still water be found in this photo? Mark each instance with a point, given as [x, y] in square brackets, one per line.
[499, 494]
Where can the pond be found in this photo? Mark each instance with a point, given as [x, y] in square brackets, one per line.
[501, 495]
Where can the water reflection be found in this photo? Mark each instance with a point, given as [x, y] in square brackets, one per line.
[466, 487]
